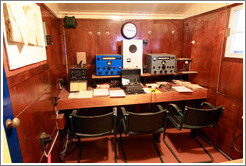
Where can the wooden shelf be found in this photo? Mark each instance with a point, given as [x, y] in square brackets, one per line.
[145, 75]
[103, 77]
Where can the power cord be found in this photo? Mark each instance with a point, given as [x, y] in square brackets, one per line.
[234, 142]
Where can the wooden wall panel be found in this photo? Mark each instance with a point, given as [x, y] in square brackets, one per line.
[207, 30]
[31, 92]
[231, 79]
[160, 40]
[55, 53]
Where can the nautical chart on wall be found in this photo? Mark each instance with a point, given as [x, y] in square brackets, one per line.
[23, 34]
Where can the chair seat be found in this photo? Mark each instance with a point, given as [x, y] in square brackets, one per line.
[160, 130]
[94, 135]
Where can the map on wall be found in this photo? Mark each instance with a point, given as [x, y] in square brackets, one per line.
[23, 34]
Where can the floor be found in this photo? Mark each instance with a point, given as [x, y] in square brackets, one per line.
[140, 149]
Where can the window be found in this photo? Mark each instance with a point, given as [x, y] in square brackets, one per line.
[235, 40]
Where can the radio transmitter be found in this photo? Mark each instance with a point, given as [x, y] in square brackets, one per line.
[132, 51]
[108, 64]
[183, 64]
[78, 79]
[160, 63]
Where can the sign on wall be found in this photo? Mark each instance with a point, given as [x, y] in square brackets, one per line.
[23, 34]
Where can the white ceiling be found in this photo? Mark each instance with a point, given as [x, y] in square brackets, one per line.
[131, 10]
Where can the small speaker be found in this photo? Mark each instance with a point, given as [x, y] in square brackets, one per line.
[70, 22]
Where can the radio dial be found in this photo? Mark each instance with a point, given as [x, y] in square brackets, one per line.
[109, 62]
[112, 72]
[100, 72]
[114, 67]
[163, 62]
[160, 71]
[155, 72]
[163, 67]
[98, 58]
[98, 68]
[104, 67]
[106, 72]
[109, 67]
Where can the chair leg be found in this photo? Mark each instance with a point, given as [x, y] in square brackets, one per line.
[115, 148]
[122, 149]
[170, 149]
[80, 149]
[209, 161]
[215, 147]
[157, 150]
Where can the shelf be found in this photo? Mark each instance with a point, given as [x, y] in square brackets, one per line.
[102, 77]
[145, 75]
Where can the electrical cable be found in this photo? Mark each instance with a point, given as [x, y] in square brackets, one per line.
[234, 142]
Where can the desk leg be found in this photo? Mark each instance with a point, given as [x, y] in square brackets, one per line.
[138, 108]
[94, 83]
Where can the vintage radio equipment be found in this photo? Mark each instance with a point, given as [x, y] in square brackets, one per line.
[78, 79]
[132, 51]
[108, 64]
[131, 81]
[160, 63]
[183, 64]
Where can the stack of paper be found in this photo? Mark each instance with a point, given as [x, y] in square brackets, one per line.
[181, 89]
[100, 92]
[117, 93]
[81, 94]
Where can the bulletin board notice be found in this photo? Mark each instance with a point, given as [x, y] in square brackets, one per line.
[23, 34]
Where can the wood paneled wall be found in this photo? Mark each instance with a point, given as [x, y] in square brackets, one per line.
[166, 37]
[31, 91]
[222, 76]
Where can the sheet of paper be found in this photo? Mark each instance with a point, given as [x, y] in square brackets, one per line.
[73, 95]
[181, 89]
[117, 93]
[125, 81]
[149, 90]
[81, 94]
[161, 83]
[101, 92]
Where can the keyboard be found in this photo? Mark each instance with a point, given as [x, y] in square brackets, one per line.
[133, 89]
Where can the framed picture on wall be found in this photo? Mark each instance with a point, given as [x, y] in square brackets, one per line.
[23, 34]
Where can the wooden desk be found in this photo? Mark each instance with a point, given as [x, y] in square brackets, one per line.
[167, 96]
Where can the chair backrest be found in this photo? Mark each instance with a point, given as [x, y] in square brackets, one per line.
[92, 125]
[199, 118]
[146, 122]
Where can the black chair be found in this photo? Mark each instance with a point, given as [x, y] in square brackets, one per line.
[94, 126]
[143, 123]
[194, 118]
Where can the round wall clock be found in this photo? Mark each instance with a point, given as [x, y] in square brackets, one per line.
[129, 30]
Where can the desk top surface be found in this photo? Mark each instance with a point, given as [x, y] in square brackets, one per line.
[65, 103]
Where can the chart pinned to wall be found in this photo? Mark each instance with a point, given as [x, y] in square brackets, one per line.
[23, 34]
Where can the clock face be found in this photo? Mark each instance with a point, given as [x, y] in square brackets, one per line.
[129, 30]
